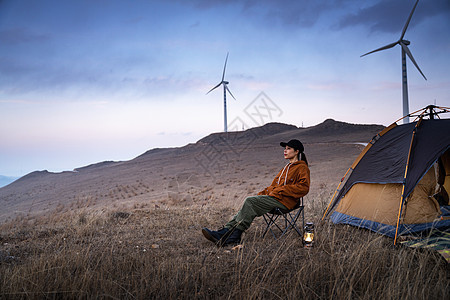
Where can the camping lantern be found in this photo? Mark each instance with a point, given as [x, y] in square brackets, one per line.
[308, 234]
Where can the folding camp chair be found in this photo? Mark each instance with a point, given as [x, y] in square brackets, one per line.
[288, 220]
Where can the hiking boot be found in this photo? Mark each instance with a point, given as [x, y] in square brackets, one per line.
[214, 236]
[232, 237]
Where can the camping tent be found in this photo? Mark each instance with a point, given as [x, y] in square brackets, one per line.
[391, 184]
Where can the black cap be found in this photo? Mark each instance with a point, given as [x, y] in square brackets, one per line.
[296, 144]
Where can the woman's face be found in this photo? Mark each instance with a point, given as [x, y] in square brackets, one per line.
[290, 153]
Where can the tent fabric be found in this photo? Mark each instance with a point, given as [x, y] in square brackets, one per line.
[446, 164]
[432, 140]
[397, 173]
[421, 207]
[375, 205]
[379, 202]
[385, 161]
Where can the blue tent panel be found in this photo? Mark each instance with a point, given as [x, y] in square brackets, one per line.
[389, 230]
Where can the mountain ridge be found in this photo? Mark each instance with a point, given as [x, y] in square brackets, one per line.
[149, 175]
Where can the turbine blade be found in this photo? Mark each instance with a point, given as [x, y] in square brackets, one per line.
[409, 19]
[226, 87]
[214, 88]
[224, 67]
[406, 49]
[380, 49]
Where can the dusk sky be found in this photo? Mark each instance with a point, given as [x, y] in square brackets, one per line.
[87, 81]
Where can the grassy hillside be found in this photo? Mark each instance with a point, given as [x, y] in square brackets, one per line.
[154, 253]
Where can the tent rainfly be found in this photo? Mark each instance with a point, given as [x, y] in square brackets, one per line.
[400, 182]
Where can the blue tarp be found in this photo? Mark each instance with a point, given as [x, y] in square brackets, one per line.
[442, 224]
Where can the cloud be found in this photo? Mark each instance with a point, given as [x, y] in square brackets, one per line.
[15, 36]
[390, 16]
[283, 12]
[195, 24]
[13, 101]
[382, 15]
[19, 79]
[336, 85]
[12, 67]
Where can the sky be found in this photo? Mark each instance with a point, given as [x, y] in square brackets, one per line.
[88, 81]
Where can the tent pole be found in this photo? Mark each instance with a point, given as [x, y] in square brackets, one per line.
[411, 114]
[402, 199]
[423, 112]
[432, 114]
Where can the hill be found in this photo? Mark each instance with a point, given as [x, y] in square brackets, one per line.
[215, 165]
[132, 229]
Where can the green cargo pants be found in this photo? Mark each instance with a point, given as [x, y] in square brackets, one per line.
[253, 207]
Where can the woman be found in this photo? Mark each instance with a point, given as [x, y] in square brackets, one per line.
[291, 183]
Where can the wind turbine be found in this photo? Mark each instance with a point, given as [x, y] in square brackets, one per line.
[404, 44]
[225, 89]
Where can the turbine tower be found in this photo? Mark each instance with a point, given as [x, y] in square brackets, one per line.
[404, 44]
[225, 90]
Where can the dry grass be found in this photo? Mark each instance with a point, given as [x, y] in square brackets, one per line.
[160, 253]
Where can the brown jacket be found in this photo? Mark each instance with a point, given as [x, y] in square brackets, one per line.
[291, 183]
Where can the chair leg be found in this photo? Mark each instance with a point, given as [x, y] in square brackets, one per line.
[289, 219]
[270, 220]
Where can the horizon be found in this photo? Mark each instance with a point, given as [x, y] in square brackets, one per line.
[6, 179]
[3, 177]
[83, 82]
